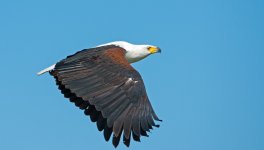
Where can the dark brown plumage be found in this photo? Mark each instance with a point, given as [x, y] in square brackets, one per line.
[101, 82]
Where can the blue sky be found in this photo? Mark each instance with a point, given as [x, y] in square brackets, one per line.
[207, 85]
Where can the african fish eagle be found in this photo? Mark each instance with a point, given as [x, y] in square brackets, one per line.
[102, 82]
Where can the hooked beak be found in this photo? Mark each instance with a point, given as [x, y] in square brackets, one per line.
[158, 50]
[154, 49]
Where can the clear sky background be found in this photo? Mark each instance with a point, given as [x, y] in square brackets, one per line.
[207, 85]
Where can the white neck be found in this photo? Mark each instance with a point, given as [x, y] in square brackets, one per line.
[134, 52]
[122, 44]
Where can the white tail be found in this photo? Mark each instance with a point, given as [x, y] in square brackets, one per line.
[46, 70]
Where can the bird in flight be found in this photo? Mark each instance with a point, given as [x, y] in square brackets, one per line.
[102, 82]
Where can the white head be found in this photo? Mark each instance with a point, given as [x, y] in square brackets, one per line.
[135, 53]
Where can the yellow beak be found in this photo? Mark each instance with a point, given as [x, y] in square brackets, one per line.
[154, 49]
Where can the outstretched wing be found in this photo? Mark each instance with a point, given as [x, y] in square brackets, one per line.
[102, 83]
